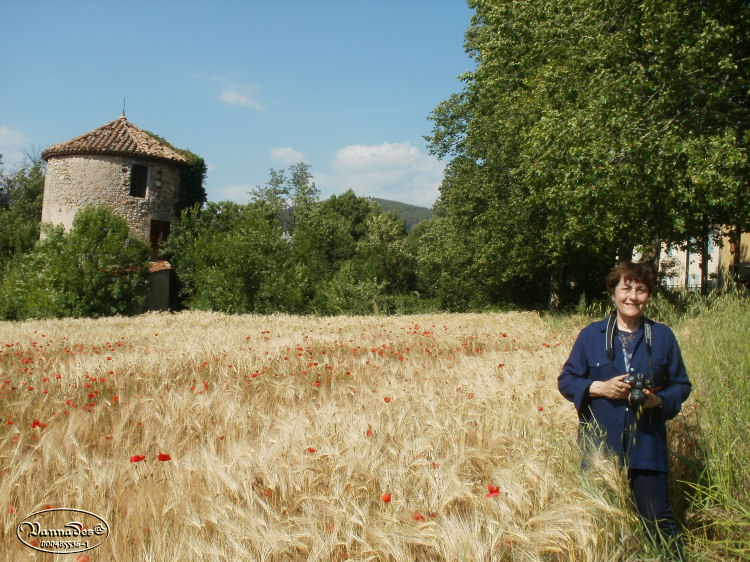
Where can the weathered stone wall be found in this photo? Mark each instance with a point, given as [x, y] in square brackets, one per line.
[72, 182]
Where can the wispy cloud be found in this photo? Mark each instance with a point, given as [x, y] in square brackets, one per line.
[236, 193]
[240, 94]
[287, 155]
[12, 146]
[397, 171]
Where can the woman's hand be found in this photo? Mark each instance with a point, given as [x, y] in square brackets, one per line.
[614, 388]
[653, 400]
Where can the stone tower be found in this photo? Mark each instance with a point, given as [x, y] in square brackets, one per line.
[117, 165]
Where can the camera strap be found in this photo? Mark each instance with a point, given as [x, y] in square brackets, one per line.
[610, 340]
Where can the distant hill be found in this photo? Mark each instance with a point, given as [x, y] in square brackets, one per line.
[411, 214]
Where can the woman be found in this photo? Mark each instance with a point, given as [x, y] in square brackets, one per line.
[593, 378]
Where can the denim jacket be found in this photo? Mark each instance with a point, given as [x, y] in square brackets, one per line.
[637, 436]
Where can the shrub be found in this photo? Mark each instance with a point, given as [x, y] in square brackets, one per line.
[98, 269]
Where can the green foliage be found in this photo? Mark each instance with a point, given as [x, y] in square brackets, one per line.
[97, 269]
[327, 235]
[384, 253]
[192, 177]
[192, 180]
[288, 198]
[346, 293]
[229, 257]
[587, 129]
[445, 266]
[21, 193]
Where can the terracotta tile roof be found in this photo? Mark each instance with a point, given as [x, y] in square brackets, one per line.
[119, 137]
[156, 266]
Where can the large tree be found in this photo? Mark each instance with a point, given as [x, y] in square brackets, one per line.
[587, 129]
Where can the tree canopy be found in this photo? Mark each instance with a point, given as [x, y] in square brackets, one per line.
[587, 129]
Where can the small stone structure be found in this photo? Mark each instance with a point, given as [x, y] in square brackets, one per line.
[125, 168]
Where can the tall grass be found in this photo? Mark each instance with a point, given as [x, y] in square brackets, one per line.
[716, 342]
[286, 435]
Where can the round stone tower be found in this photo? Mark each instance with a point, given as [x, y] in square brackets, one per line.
[117, 165]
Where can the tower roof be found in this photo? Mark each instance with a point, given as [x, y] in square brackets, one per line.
[120, 138]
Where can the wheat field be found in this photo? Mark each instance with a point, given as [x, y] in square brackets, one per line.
[432, 437]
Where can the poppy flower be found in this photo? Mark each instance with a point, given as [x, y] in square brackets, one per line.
[418, 516]
[137, 458]
[493, 491]
[164, 457]
[368, 432]
[311, 450]
[387, 399]
[386, 497]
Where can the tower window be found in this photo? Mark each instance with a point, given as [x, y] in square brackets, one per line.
[138, 178]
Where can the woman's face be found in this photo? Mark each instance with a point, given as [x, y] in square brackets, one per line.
[630, 299]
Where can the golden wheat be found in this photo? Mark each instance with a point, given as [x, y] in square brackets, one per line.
[286, 434]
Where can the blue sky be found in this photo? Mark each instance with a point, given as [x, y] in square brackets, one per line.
[345, 86]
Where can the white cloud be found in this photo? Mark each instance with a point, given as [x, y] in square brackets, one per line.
[242, 95]
[237, 193]
[397, 171]
[287, 155]
[12, 146]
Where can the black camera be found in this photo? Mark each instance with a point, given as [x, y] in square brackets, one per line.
[638, 382]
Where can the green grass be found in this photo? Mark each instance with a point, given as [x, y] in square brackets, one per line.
[714, 334]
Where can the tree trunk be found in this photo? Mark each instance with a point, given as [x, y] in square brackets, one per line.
[705, 257]
[555, 288]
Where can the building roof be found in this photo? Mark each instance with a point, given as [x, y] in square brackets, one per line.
[119, 137]
[160, 265]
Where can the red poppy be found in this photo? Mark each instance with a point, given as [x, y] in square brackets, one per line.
[386, 497]
[418, 516]
[164, 457]
[137, 458]
[493, 491]
[311, 450]
[387, 399]
[368, 432]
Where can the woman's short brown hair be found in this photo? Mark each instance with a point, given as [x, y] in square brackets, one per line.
[631, 271]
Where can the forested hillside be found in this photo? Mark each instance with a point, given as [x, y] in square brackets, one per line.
[410, 214]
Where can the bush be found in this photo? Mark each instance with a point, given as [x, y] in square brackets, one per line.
[98, 269]
[230, 258]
